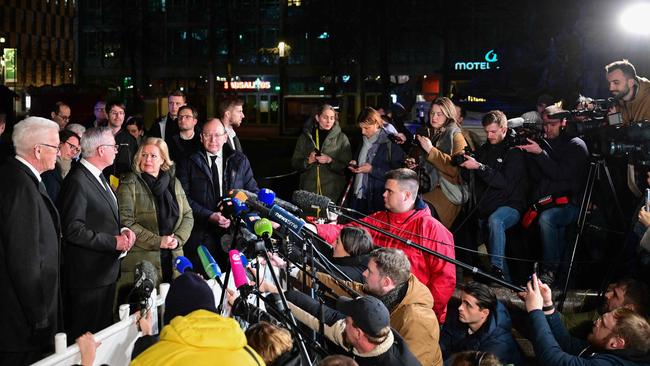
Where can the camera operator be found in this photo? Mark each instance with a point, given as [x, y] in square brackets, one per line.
[502, 172]
[558, 168]
[631, 91]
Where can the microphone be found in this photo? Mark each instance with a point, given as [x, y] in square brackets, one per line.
[226, 207]
[268, 198]
[239, 273]
[276, 213]
[264, 229]
[182, 264]
[309, 200]
[144, 279]
[210, 267]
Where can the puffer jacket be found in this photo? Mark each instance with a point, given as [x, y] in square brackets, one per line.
[200, 338]
[332, 176]
[138, 213]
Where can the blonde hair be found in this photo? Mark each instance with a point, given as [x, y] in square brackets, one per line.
[369, 116]
[164, 154]
[448, 109]
[270, 341]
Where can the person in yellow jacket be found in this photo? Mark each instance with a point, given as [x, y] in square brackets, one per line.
[195, 333]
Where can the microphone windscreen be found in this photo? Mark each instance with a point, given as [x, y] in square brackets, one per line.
[263, 226]
[239, 206]
[516, 122]
[144, 270]
[238, 271]
[226, 207]
[209, 265]
[266, 196]
[308, 200]
[250, 219]
[182, 264]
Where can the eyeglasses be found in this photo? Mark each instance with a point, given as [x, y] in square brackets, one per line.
[212, 136]
[65, 118]
[115, 147]
[185, 116]
[146, 155]
[52, 146]
[116, 113]
[74, 148]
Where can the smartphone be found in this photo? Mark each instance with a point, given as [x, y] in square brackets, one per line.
[647, 199]
[355, 166]
[318, 153]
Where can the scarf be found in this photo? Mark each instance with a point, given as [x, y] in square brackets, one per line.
[361, 180]
[167, 211]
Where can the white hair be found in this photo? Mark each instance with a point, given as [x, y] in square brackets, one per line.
[92, 139]
[76, 128]
[32, 131]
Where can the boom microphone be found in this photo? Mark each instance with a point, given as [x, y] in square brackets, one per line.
[309, 200]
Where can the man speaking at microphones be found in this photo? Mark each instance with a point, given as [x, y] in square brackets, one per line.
[407, 216]
[207, 176]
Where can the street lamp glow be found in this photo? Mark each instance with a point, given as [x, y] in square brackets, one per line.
[281, 49]
[634, 19]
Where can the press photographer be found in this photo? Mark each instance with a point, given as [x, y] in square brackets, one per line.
[501, 186]
[631, 91]
[557, 166]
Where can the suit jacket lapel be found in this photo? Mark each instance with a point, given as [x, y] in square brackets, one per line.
[100, 188]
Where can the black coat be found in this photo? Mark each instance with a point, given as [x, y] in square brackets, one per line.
[504, 181]
[196, 178]
[124, 158]
[171, 128]
[90, 223]
[30, 233]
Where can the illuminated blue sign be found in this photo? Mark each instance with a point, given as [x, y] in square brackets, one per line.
[489, 63]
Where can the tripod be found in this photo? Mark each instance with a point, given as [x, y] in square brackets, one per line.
[597, 166]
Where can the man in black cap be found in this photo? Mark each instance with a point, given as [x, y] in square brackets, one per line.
[361, 326]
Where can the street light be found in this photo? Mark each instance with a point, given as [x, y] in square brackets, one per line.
[634, 19]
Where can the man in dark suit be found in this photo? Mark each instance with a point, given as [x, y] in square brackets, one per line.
[187, 140]
[207, 176]
[30, 232]
[167, 126]
[93, 238]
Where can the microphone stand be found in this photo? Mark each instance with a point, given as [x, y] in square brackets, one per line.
[306, 360]
[475, 270]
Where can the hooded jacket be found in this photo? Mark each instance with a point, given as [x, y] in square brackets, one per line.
[421, 228]
[554, 346]
[332, 176]
[494, 336]
[200, 338]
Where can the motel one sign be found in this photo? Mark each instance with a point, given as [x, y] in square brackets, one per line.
[488, 64]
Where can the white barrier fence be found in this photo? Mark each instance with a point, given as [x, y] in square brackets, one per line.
[117, 340]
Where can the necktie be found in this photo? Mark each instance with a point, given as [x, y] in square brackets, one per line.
[237, 146]
[107, 187]
[215, 176]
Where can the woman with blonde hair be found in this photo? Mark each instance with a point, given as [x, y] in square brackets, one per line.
[153, 204]
[438, 142]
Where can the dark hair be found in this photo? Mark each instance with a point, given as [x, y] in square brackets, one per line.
[625, 66]
[136, 121]
[406, 178]
[57, 107]
[392, 263]
[195, 113]
[177, 93]
[475, 358]
[338, 360]
[110, 105]
[356, 241]
[484, 296]
[636, 293]
[494, 116]
[64, 135]
[227, 103]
